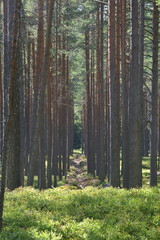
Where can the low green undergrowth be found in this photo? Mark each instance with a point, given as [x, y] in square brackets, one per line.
[88, 214]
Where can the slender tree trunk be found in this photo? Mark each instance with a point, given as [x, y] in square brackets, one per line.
[59, 95]
[108, 110]
[55, 128]
[140, 89]
[133, 104]
[89, 153]
[49, 175]
[63, 107]
[27, 101]
[5, 60]
[98, 79]
[115, 153]
[159, 136]
[117, 89]
[22, 125]
[106, 115]
[102, 158]
[93, 94]
[154, 121]
[1, 101]
[125, 127]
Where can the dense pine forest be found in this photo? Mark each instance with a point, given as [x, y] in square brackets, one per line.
[80, 74]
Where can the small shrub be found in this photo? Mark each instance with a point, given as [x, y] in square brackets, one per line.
[74, 183]
[81, 164]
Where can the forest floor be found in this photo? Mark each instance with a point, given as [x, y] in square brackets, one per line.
[77, 176]
[75, 210]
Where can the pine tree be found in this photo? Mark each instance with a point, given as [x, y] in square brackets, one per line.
[154, 123]
[115, 154]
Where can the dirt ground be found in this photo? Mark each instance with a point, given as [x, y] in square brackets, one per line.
[77, 176]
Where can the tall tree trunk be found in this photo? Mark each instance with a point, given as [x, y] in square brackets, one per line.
[49, 132]
[115, 153]
[13, 157]
[63, 107]
[102, 159]
[125, 126]
[5, 84]
[22, 122]
[154, 121]
[55, 108]
[5, 59]
[49, 119]
[1, 101]
[27, 101]
[159, 136]
[93, 94]
[89, 140]
[108, 111]
[98, 79]
[89, 160]
[10, 25]
[133, 104]
[13, 122]
[117, 88]
[140, 89]
[59, 96]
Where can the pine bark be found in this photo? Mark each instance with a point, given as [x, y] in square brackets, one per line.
[13, 155]
[115, 154]
[102, 158]
[125, 126]
[27, 102]
[1, 102]
[5, 59]
[13, 121]
[63, 107]
[133, 101]
[49, 132]
[154, 119]
[98, 79]
[92, 92]
[89, 140]
[140, 89]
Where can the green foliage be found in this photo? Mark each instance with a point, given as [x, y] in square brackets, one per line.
[146, 172]
[81, 164]
[77, 135]
[91, 214]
